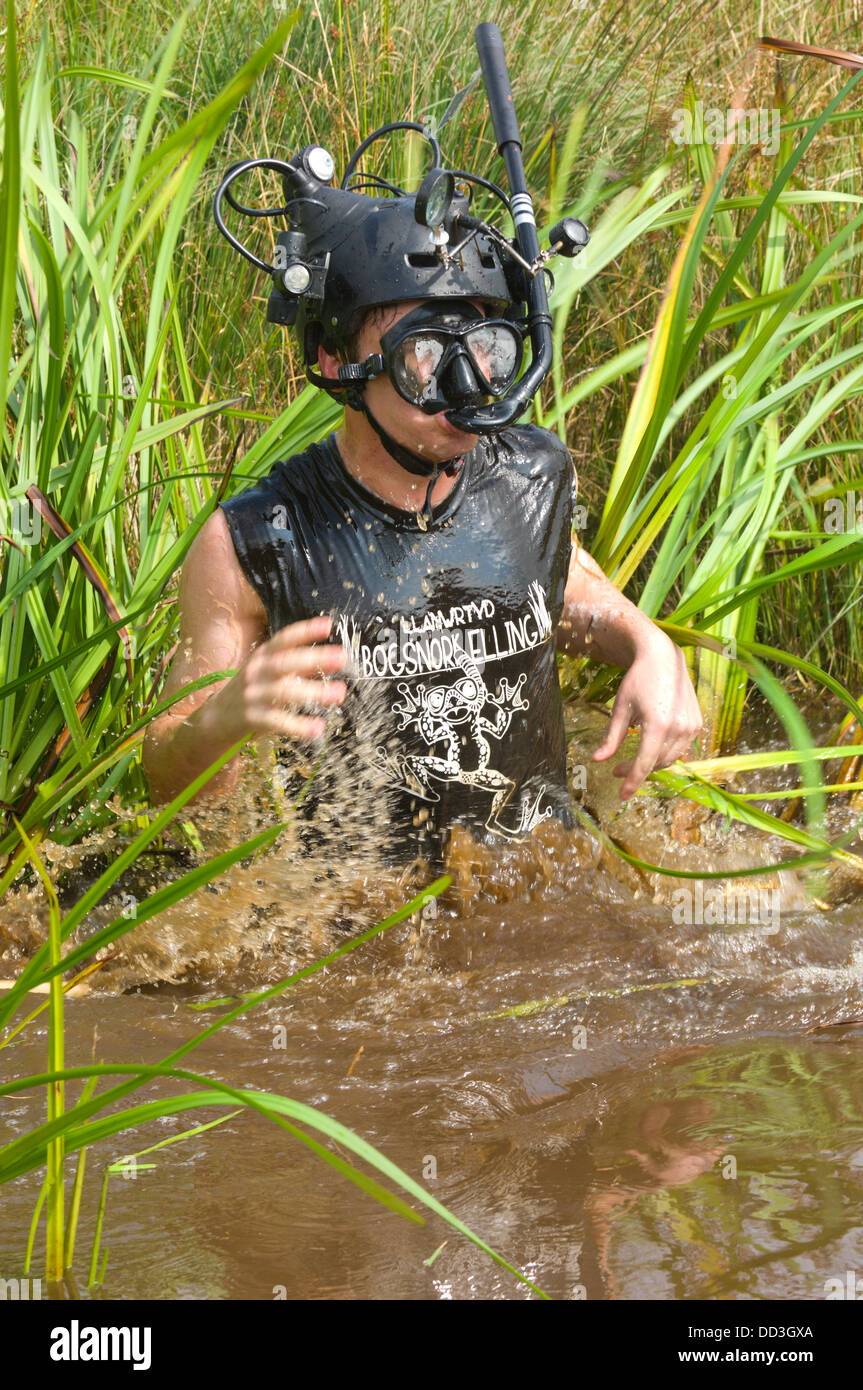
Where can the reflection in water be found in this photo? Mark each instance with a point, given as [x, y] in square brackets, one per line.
[666, 1161]
[749, 1182]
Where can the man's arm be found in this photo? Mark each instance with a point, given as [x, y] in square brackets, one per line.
[223, 626]
[656, 691]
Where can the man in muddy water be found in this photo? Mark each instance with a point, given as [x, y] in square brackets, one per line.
[404, 551]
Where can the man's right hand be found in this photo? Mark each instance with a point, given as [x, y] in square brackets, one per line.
[285, 685]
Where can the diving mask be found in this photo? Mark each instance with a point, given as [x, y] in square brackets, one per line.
[446, 354]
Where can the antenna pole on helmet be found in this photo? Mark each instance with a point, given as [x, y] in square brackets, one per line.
[492, 60]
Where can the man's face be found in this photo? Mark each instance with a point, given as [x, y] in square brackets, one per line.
[431, 436]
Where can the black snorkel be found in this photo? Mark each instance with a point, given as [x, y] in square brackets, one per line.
[488, 419]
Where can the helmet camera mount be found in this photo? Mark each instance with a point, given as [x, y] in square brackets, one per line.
[347, 251]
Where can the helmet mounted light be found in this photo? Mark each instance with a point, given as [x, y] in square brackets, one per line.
[346, 251]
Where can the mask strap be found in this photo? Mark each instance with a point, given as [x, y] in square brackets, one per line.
[352, 377]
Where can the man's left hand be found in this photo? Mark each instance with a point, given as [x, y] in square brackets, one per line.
[656, 693]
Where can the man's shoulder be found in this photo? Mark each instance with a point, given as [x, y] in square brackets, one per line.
[534, 458]
[289, 478]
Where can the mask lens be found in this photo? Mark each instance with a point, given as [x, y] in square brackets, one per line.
[415, 363]
[496, 354]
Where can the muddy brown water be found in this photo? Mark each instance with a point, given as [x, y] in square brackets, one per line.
[622, 1103]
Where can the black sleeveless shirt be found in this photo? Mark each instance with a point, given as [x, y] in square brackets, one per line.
[453, 622]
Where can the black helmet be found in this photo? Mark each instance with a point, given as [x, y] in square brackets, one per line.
[346, 252]
[374, 251]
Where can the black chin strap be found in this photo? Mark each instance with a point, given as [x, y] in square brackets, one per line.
[413, 463]
[420, 467]
[351, 383]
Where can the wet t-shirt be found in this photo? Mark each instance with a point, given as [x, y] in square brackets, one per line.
[450, 619]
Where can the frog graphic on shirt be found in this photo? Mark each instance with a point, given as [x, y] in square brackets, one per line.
[440, 713]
